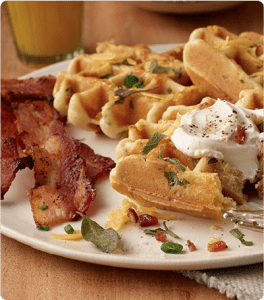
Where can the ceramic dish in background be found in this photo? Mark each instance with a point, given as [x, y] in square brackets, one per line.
[186, 7]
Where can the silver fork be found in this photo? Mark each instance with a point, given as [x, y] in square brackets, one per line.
[252, 220]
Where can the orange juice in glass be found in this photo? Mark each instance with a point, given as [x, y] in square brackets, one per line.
[46, 32]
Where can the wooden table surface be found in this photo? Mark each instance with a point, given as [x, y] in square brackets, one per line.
[31, 274]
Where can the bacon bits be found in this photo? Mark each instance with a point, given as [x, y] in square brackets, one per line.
[191, 245]
[241, 135]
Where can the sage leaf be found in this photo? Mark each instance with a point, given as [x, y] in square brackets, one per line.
[174, 180]
[239, 235]
[106, 240]
[176, 162]
[153, 142]
[171, 248]
[155, 68]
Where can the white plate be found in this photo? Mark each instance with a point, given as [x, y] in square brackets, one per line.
[140, 251]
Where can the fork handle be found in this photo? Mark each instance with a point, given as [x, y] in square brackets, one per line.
[252, 220]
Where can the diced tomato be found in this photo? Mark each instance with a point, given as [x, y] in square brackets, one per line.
[217, 246]
[161, 236]
[147, 220]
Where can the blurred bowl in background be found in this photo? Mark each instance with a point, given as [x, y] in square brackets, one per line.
[186, 7]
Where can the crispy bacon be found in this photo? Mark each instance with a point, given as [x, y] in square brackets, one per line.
[96, 165]
[62, 182]
[11, 162]
[13, 158]
[14, 90]
[65, 169]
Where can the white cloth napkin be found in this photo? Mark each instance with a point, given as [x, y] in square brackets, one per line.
[244, 282]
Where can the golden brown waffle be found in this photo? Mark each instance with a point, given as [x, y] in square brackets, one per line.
[214, 63]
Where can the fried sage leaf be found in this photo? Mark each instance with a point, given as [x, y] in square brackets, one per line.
[153, 142]
[174, 180]
[239, 235]
[106, 240]
[155, 68]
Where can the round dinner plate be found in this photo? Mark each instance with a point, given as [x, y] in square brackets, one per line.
[140, 251]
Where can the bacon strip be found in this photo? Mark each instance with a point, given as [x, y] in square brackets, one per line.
[96, 165]
[14, 90]
[12, 157]
[65, 169]
[62, 182]
[11, 162]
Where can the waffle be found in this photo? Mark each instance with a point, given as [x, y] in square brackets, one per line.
[86, 93]
[213, 64]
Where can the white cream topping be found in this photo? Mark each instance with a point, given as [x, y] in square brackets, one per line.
[212, 132]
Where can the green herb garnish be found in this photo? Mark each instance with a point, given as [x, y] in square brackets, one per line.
[174, 180]
[169, 231]
[155, 68]
[153, 142]
[106, 240]
[194, 161]
[133, 81]
[175, 161]
[43, 207]
[68, 229]
[239, 235]
[171, 248]
[43, 227]
[153, 231]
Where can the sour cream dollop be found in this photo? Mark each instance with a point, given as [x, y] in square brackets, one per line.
[212, 132]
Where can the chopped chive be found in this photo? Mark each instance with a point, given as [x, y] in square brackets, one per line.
[171, 248]
[68, 229]
[43, 227]
[153, 231]
[43, 207]
[169, 231]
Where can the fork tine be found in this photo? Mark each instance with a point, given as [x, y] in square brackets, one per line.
[252, 220]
